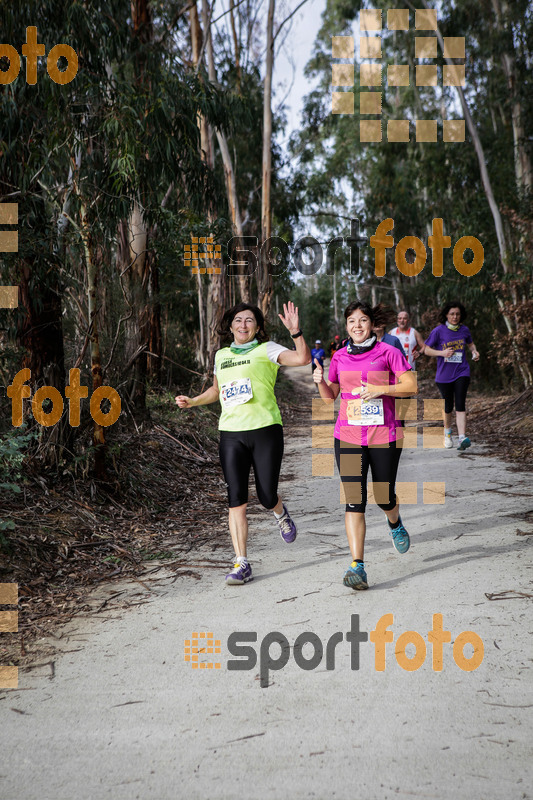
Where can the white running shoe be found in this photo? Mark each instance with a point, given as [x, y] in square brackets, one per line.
[448, 440]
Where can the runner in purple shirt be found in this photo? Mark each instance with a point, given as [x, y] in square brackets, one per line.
[447, 342]
[369, 375]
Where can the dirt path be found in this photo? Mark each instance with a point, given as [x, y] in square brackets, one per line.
[118, 713]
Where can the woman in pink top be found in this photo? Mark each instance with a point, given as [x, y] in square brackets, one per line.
[369, 376]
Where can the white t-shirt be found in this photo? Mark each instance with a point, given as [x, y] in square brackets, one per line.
[273, 351]
[408, 341]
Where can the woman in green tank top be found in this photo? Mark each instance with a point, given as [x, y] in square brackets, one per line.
[250, 424]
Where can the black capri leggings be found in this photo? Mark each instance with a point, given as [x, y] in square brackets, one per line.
[456, 389]
[353, 463]
[262, 449]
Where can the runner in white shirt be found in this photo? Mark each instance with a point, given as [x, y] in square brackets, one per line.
[411, 340]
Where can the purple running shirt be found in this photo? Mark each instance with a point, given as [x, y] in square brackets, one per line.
[457, 366]
[378, 366]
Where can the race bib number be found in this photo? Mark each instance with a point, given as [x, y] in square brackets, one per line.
[235, 393]
[365, 412]
[457, 358]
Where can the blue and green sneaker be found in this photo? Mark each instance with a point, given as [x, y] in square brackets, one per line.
[400, 537]
[355, 576]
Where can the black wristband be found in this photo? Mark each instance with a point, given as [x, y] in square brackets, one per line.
[295, 335]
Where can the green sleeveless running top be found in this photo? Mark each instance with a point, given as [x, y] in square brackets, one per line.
[246, 389]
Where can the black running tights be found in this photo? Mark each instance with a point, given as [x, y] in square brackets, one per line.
[353, 463]
[262, 449]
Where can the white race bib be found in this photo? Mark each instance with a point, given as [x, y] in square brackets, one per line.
[365, 412]
[457, 358]
[235, 393]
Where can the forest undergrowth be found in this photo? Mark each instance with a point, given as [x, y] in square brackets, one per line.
[164, 509]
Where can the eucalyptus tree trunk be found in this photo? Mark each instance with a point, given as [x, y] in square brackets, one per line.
[335, 306]
[40, 324]
[236, 44]
[196, 45]
[41, 329]
[201, 347]
[96, 363]
[216, 293]
[134, 265]
[134, 272]
[264, 277]
[155, 344]
[522, 161]
[503, 244]
[229, 171]
[398, 292]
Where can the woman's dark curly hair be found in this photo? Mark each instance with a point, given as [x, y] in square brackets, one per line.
[454, 304]
[224, 327]
[379, 315]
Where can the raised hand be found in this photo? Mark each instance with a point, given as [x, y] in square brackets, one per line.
[290, 317]
[318, 373]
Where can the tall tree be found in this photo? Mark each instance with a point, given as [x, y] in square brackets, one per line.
[264, 277]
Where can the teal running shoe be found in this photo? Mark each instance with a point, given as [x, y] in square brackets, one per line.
[355, 576]
[400, 537]
[464, 444]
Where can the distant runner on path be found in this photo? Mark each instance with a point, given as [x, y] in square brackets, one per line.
[388, 338]
[335, 345]
[369, 376]
[319, 353]
[411, 340]
[251, 432]
[447, 343]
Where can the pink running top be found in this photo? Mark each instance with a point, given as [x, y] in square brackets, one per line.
[378, 366]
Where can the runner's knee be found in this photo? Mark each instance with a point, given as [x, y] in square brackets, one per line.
[269, 497]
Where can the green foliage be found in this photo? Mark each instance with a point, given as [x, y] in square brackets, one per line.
[13, 445]
[413, 183]
[315, 302]
[12, 453]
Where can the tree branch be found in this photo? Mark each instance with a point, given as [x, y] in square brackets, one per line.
[298, 7]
